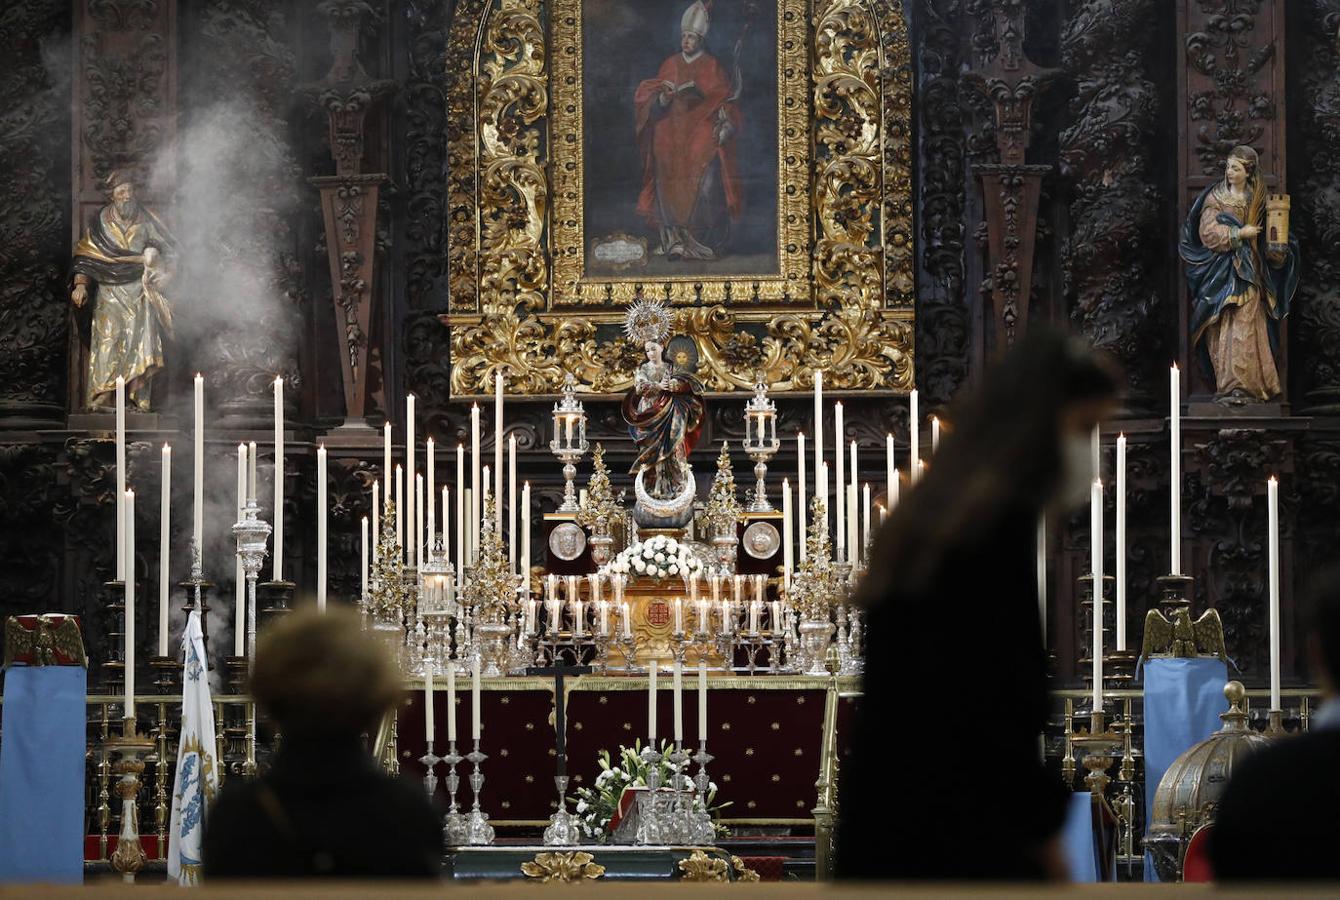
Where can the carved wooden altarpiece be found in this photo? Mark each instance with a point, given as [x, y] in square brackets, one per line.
[524, 298]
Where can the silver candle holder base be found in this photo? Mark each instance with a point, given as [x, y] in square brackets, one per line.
[478, 831]
[564, 828]
[453, 823]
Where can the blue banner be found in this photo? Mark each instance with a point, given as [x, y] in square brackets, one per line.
[1183, 700]
[42, 774]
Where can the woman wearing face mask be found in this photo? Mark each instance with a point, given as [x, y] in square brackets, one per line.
[944, 780]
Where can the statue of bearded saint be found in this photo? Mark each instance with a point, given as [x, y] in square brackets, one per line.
[664, 412]
[120, 267]
[1241, 283]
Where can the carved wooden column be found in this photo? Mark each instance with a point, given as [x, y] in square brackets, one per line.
[34, 206]
[1010, 188]
[1230, 89]
[124, 114]
[349, 198]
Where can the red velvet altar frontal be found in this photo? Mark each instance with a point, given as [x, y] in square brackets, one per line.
[764, 733]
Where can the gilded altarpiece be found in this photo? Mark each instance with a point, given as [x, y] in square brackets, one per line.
[538, 283]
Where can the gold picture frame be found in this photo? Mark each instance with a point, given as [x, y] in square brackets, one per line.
[841, 302]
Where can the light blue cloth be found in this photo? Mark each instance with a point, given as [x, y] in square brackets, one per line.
[1183, 701]
[1327, 715]
[42, 775]
[1077, 841]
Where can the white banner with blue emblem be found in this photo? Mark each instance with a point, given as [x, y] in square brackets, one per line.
[197, 769]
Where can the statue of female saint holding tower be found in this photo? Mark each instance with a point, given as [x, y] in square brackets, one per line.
[1242, 271]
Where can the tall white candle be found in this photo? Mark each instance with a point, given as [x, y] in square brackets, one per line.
[474, 698]
[855, 555]
[1121, 542]
[1175, 480]
[428, 702]
[120, 478]
[1273, 538]
[488, 485]
[890, 470]
[1096, 558]
[678, 685]
[511, 500]
[461, 549]
[278, 562]
[446, 536]
[386, 461]
[240, 589]
[702, 701]
[525, 539]
[376, 517]
[820, 473]
[198, 470]
[802, 512]
[321, 527]
[414, 498]
[363, 566]
[853, 520]
[430, 488]
[399, 506]
[498, 449]
[935, 435]
[786, 533]
[251, 470]
[451, 702]
[164, 523]
[840, 500]
[865, 523]
[475, 463]
[651, 704]
[914, 441]
[417, 540]
[130, 603]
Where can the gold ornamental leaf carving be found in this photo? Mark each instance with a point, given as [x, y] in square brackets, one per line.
[563, 868]
[742, 872]
[701, 867]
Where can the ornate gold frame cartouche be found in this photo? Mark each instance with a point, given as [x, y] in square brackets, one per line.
[842, 302]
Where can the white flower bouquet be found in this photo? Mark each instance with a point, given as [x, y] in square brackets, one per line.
[657, 557]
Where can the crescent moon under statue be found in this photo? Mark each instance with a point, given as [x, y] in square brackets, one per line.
[672, 512]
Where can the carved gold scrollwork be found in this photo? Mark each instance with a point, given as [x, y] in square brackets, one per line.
[700, 867]
[845, 296]
[514, 194]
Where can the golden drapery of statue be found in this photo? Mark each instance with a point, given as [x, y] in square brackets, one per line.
[120, 264]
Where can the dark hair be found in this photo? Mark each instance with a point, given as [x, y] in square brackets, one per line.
[1323, 620]
[321, 674]
[1003, 453]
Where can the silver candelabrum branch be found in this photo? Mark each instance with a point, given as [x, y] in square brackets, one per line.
[251, 533]
[569, 440]
[760, 442]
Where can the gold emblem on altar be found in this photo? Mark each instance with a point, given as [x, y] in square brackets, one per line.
[566, 868]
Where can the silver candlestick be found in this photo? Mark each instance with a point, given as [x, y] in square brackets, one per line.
[760, 442]
[478, 831]
[649, 825]
[251, 533]
[569, 441]
[703, 831]
[454, 830]
[563, 830]
[429, 777]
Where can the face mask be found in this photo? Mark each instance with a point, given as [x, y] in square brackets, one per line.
[1076, 471]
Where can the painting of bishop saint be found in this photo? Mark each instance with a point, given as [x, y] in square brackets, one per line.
[697, 175]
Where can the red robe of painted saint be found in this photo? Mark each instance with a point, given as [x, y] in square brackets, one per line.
[678, 140]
